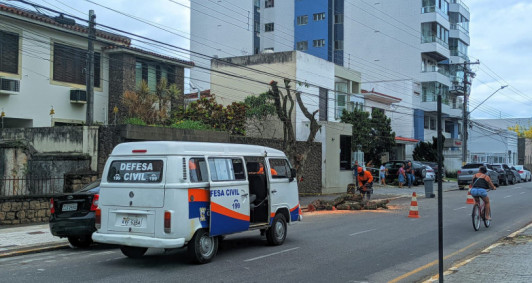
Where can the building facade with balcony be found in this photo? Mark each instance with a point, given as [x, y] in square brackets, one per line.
[43, 71]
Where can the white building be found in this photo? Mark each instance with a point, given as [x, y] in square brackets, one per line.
[43, 67]
[324, 86]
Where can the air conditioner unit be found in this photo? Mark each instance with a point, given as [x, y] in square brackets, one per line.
[9, 85]
[78, 96]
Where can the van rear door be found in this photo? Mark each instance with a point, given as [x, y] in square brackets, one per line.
[134, 183]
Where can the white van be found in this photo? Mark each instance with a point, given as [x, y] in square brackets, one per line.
[174, 194]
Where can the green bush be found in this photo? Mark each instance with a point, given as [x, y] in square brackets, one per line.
[192, 125]
[135, 121]
[450, 174]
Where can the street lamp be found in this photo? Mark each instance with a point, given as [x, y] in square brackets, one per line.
[488, 98]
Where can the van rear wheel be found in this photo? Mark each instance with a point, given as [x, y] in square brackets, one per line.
[276, 234]
[133, 252]
[202, 248]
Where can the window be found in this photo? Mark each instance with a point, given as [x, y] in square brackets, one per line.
[226, 169]
[302, 46]
[302, 20]
[432, 123]
[268, 49]
[281, 168]
[324, 104]
[341, 98]
[268, 4]
[135, 171]
[268, 27]
[426, 124]
[70, 65]
[197, 170]
[319, 16]
[338, 45]
[345, 152]
[339, 18]
[152, 73]
[318, 42]
[8, 52]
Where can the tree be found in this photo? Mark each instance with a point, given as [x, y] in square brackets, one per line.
[522, 131]
[427, 151]
[381, 135]
[259, 111]
[284, 106]
[206, 110]
[373, 136]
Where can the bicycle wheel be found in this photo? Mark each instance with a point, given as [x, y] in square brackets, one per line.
[486, 222]
[475, 215]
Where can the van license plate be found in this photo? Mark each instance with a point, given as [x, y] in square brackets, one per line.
[70, 207]
[131, 221]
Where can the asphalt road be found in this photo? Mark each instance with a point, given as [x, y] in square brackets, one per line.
[368, 246]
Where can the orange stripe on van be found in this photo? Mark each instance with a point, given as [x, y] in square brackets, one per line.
[294, 208]
[198, 195]
[227, 212]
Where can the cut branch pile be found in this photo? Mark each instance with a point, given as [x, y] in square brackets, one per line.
[348, 202]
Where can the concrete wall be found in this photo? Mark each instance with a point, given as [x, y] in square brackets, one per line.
[334, 179]
[282, 14]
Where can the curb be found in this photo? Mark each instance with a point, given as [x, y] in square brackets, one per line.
[34, 249]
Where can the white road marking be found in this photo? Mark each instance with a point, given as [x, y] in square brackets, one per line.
[507, 196]
[263, 256]
[362, 232]
[460, 208]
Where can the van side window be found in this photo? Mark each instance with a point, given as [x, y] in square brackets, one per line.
[226, 169]
[197, 169]
[280, 168]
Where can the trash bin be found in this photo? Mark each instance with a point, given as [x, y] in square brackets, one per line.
[429, 187]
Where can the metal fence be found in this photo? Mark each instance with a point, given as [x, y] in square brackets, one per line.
[31, 185]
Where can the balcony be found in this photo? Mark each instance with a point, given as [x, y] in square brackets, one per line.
[457, 31]
[457, 6]
[440, 75]
[435, 47]
[433, 9]
[458, 57]
[436, 15]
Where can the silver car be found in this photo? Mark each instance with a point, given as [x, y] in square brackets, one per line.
[526, 176]
[465, 174]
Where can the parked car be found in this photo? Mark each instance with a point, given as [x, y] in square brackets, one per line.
[429, 173]
[516, 174]
[526, 176]
[434, 166]
[465, 174]
[394, 165]
[72, 215]
[506, 176]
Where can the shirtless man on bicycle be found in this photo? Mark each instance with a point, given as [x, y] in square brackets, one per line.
[480, 186]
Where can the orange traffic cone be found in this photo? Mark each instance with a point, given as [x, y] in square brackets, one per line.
[413, 207]
[470, 199]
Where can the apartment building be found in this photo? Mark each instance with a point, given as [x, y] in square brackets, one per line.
[410, 49]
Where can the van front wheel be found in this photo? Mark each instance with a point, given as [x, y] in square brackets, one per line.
[276, 234]
[202, 248]
[133, 252]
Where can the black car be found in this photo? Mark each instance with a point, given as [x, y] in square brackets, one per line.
[72, 215]
[394, 165]
[506, 176]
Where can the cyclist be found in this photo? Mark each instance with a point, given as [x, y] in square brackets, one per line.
[481, 183]
[365, 183]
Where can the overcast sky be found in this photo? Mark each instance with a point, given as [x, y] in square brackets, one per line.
[500, 31]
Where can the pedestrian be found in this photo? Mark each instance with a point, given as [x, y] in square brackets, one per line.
[402, 176]
[409, 174]
[382, 174]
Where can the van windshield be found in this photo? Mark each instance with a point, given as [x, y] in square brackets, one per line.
[135, 171]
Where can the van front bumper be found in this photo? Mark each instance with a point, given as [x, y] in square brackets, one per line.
[138, 241]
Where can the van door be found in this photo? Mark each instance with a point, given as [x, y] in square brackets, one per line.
[229, 195]
[282, 188]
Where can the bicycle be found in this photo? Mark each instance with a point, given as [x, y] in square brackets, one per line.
[478, 213]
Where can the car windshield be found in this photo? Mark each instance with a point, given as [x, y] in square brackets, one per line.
[519, 167]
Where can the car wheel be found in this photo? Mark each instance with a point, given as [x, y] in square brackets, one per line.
[80, 241]
[276, 234]
[133, 252]
[202, 248]
[512, 180]
[505, 180]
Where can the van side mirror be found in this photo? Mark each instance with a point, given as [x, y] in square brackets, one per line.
[293, 174]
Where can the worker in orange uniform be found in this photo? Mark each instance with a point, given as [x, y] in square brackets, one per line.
[261, 170]
[192, 170]
[365, 183]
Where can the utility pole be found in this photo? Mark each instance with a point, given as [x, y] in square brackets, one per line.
[465, 114]
[90, 70]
